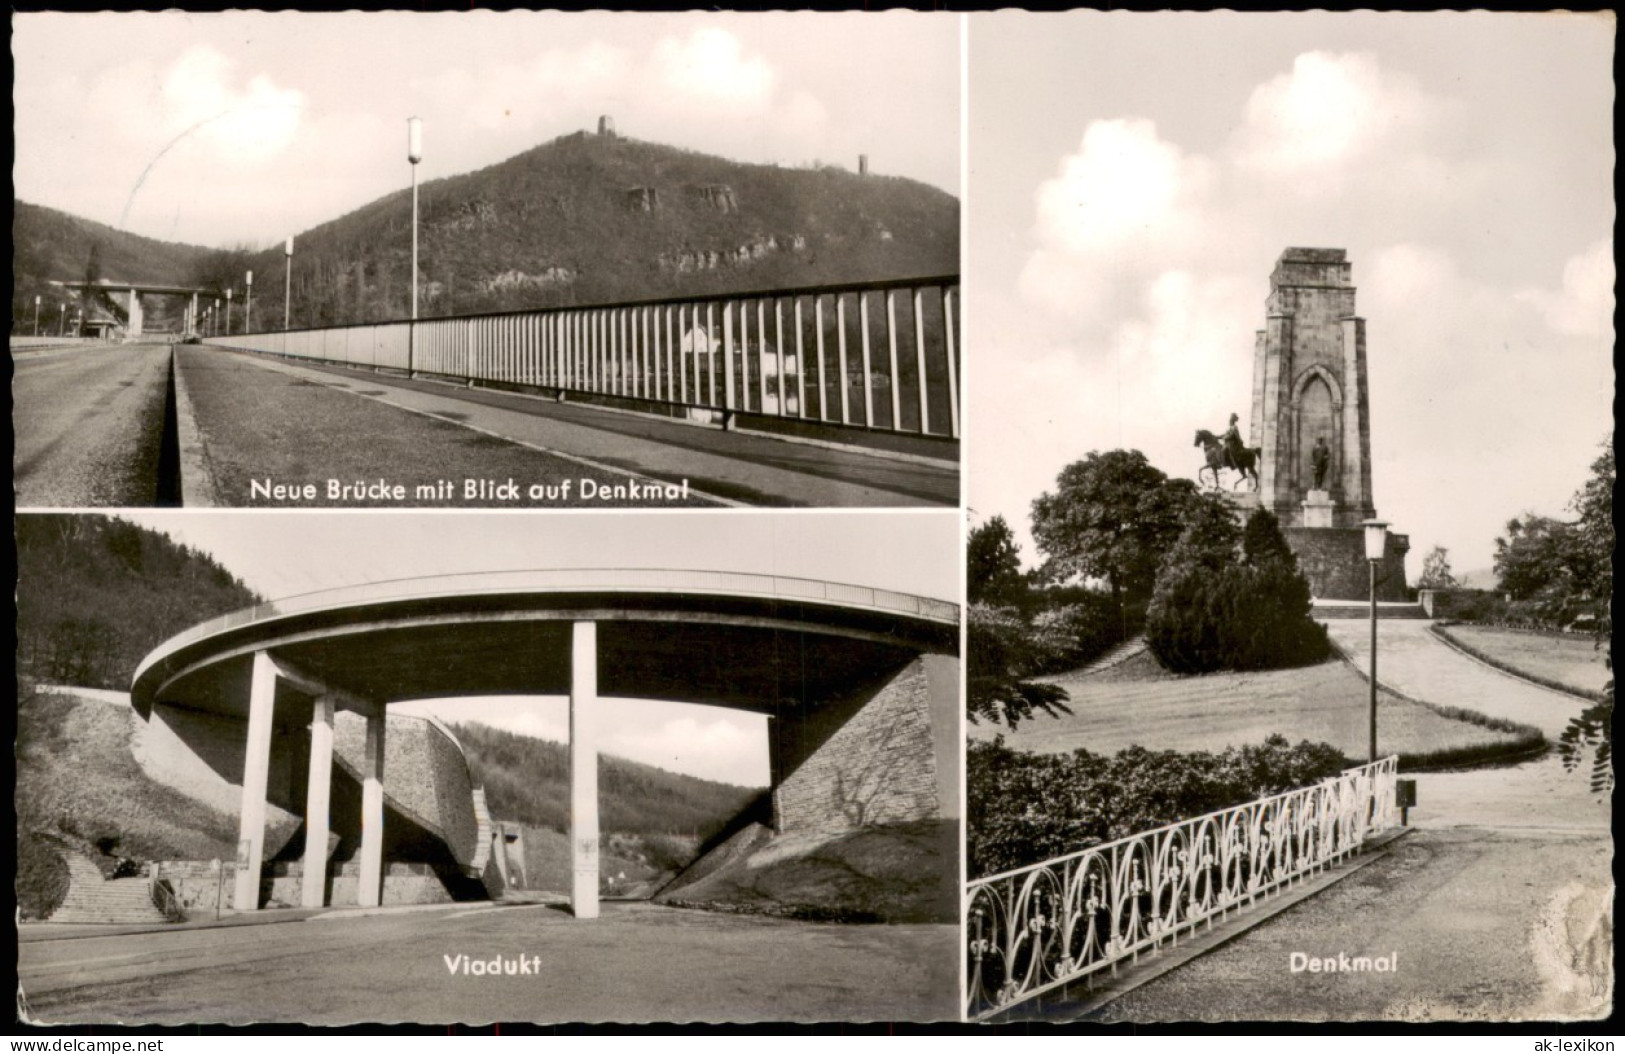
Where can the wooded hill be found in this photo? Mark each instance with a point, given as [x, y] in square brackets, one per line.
[583, 219]
[528, 780]
[590, 219]
[49, 245]
[95, 594]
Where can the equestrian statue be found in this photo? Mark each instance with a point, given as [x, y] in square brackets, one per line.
[1229, 452]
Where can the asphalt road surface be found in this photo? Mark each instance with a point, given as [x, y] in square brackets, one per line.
[89, 425]
[637, 963]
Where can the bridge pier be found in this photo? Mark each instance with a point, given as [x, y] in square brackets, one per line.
[369, 892]
[256, 776]
[583, 770]
[318, 799]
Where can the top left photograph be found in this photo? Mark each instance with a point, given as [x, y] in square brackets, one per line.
[486, 260]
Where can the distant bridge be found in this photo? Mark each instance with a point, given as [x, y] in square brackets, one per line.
[134, 291]
[862, 686]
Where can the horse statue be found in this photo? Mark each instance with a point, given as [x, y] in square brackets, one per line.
[1244, 461]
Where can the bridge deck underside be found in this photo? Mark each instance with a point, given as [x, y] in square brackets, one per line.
[759, 668]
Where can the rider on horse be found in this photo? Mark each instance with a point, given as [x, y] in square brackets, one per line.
[1234, 448]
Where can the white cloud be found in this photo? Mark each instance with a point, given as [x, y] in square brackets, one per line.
[1145, 281]
[710, 68]
[1123, 186]
[1326, 113]
[1584, 306]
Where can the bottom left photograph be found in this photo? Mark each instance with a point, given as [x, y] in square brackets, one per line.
[463, 768]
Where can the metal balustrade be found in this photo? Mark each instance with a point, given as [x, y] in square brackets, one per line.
[878, 355]
[1036, 929]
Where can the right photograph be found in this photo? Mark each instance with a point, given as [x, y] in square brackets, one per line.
[1290, 486]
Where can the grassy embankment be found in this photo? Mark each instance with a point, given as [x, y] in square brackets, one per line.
[1139, 703]
[79, 788]
[1568, 664]
[655, 821]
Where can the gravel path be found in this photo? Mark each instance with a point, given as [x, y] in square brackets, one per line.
[1494, 907]
[1411, 660]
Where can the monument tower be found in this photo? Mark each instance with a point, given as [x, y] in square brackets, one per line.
[1311, 415]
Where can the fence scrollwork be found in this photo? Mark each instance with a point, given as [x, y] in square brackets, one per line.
[1038, 928]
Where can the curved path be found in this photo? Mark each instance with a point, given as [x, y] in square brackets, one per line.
[1412, 661]
[1498, 906]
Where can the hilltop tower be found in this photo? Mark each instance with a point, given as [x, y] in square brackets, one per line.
[1310, 389]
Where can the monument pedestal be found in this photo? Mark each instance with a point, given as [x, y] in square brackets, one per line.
[1317, 509]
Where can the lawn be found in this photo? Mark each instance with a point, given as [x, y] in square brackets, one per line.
[1139, 703]
[1574, 662]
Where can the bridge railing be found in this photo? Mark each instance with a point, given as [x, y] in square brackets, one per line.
[595, 580]
[877, 355]
[1035, 929]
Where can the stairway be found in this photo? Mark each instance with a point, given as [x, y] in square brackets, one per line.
[94, 899]
[1116, 654]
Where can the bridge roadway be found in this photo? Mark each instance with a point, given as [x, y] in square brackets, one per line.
[268, 418]
[1490, 904]
[640, 963]
[88, 423]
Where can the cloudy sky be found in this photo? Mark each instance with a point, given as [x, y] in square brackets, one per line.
[220, 129]
[282, 553]
[1134, 177]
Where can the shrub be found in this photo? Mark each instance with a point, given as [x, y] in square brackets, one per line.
[999, 658]
[1027, 808]
[1208, 614]
[1070, 635]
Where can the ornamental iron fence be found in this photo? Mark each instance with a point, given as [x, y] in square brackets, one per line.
[877, 355]
[1036, 929]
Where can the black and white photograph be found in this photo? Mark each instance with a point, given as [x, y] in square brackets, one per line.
[329, 768]
[1290, 496]
[482, 259]
[886, 525]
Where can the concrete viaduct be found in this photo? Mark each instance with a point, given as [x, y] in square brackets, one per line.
[861, 687]
[135, 290]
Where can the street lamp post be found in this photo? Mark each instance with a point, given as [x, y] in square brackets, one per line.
[248, 304]
[287, 288]
[1376, 546]
[36, 316]
[414, 154]
[228, 312]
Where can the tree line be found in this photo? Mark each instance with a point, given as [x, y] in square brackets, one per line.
[1126, 548]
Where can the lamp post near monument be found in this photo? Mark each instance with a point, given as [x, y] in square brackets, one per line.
[1376, 548]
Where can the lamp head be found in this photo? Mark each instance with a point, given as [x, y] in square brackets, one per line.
[414, 139]
[1376, 538]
